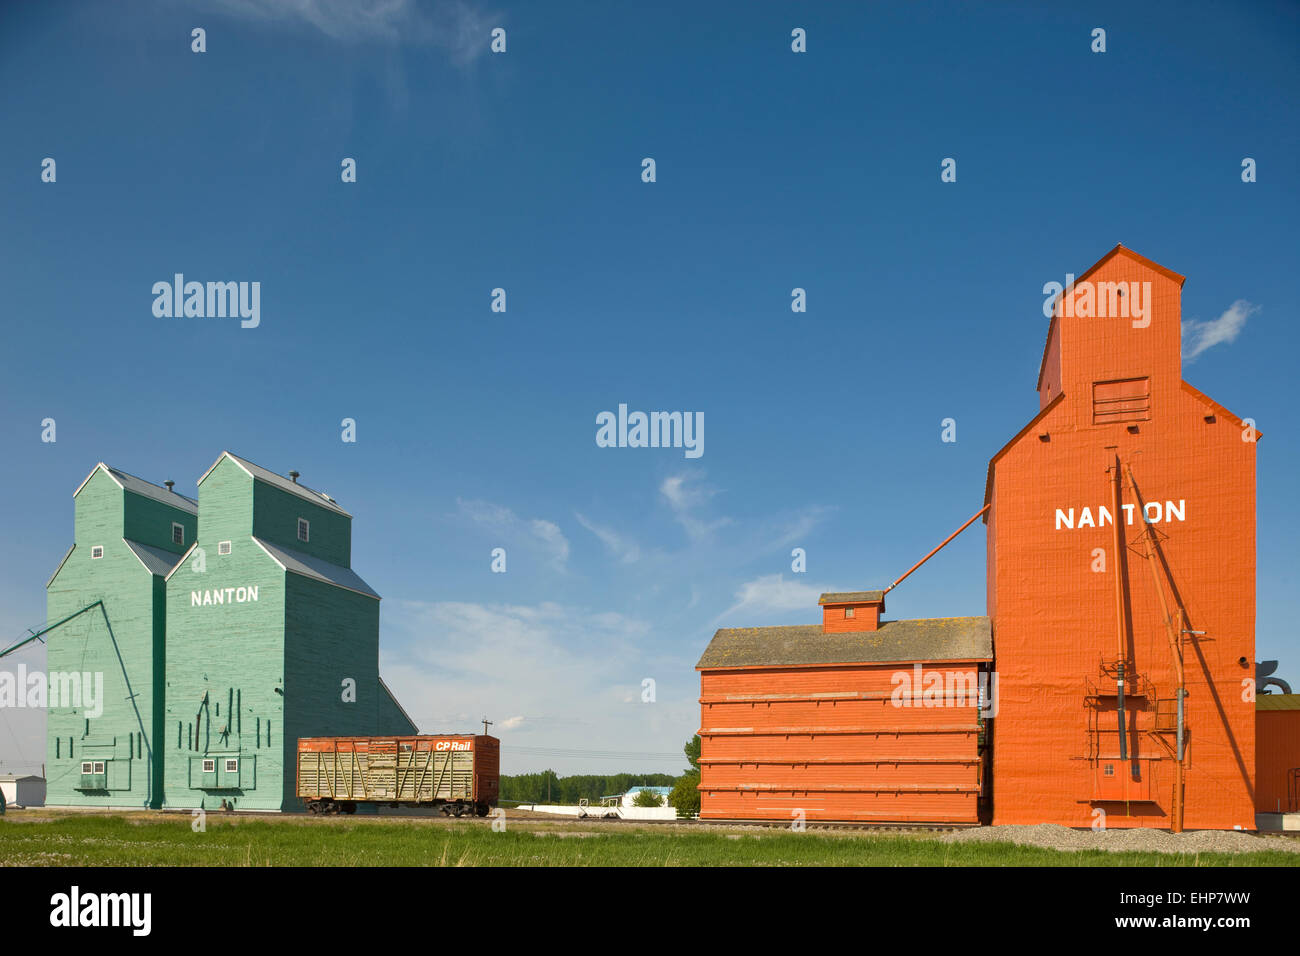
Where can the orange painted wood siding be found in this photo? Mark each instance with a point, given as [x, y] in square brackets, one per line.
[1277, 741]
[836, 743]
[1054, 616]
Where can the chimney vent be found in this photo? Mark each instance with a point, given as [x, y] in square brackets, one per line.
[293, 476]
[169, 484]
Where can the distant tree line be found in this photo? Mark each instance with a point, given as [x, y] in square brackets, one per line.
[550, 787]
[532, 787]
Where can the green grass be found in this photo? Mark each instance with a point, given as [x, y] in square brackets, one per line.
[167, 840]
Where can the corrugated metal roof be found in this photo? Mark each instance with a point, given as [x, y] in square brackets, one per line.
[1277, 702]
[281, 482]
[146, 489]
[851, 597]
[157, 560]
[321, 570]
[926, 639]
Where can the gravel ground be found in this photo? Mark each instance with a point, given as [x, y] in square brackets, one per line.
[1056, 837]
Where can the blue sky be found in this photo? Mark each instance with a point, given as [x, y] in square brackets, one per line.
[522, 170]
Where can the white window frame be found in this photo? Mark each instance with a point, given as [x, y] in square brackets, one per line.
[177, 526]
[304, 530]
[232, 761]
[209, 764]
[223, 547]
[87, 767]
[99, 767]
[93, 549]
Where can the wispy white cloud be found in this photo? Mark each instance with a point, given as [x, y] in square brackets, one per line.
[625, 550]
[686, 497]
[537, 534]
[568, 677]
[460, 28]
[1199, 336]
[771, 593]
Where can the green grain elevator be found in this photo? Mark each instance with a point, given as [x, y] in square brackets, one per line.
[271, 636]
[103, 748]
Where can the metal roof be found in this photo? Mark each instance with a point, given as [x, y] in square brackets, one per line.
[852, 597]
[146, 489]
[1277, 702]
[279, 481]
[157, 560]
[925, 639]
[317, 568]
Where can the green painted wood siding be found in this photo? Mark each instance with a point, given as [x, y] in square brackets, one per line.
[331, 635]
[150, 522]
[275, 519]
[225, 503]
[124, 646]
[225, 665]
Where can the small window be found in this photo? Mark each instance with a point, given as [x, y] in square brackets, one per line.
[850, 612]
[304, 529]
[209, 766]
[1110, 770]
[97, 552]
[223, 547]
[87, 767]
[99, 766]
[232, 766]
[178, 533]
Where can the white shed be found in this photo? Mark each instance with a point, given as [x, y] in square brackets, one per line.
[22, 790]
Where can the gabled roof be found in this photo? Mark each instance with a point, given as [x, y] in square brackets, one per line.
[146, 489]
[988, 480]
[852, 597]
[926, 639]
[1128, 253]
[157, 560]
[316, 568]
[1201, 396]
[279, 481]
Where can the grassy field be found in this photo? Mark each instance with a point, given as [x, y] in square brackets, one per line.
[139, 839]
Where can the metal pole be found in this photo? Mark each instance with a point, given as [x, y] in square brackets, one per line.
[936, 550]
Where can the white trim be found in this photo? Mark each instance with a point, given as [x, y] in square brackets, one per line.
[224, 544]
[289, 486]
[175, 525]
[93, 549]
[168, 575]
[305, 538]
[228, 762]
[108, 471]
[203, 768]
[85, 764]
[99, 765]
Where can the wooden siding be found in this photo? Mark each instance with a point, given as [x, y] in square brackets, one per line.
[838, 744]
[125, 644]
[275, 519]
[1054, 617]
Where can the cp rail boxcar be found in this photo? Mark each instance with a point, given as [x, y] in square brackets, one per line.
[458, 772]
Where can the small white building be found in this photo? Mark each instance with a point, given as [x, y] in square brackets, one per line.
[629, 798]
[22, 790]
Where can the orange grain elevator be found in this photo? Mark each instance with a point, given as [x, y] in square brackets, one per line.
[1121, 576]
